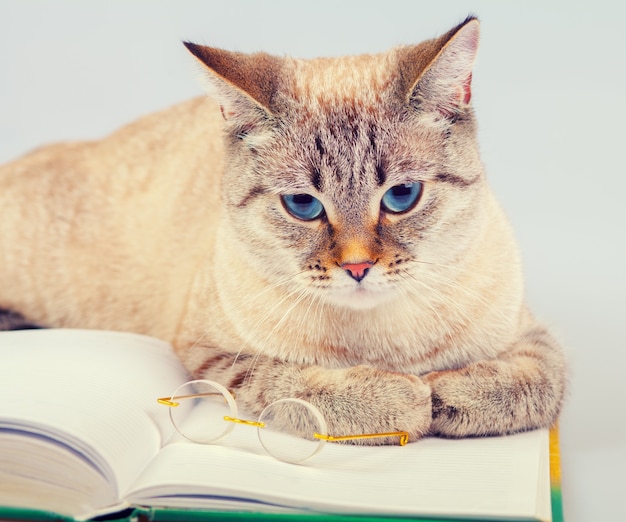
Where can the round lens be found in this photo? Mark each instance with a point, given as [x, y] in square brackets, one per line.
[200, 413]
[290, 426]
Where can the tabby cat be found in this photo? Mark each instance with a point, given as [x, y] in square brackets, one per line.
[319, 229]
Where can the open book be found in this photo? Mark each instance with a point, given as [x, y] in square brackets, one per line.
[81, 434]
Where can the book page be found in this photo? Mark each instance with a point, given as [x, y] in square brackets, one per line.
[93, 392]
[480, 477]
[77, 487]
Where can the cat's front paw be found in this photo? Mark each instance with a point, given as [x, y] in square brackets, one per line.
[364, 400]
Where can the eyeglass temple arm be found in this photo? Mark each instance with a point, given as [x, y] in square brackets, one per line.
[402, 435]
[171, 402]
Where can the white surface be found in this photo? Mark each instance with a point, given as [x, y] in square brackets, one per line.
[549, 92]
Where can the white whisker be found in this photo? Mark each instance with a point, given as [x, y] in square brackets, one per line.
[302, 295]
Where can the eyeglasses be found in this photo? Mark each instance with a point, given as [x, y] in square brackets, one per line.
[291, 430]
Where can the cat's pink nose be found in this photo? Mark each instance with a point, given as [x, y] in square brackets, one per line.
[357, 271]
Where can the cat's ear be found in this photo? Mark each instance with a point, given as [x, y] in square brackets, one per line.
[243, 84]
[444, 82]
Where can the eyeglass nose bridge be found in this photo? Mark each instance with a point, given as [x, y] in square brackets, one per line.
[245, 422]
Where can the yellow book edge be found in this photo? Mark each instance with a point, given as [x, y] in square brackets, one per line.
[556, 493]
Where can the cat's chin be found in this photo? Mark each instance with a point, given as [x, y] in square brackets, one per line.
[359, 298]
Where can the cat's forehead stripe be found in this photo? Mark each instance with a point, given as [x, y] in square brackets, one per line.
[316, 178]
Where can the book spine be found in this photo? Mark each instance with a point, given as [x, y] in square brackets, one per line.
[19, 514]
[555, 476]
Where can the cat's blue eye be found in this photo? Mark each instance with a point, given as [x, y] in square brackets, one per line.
[401, 198]
[303, 206]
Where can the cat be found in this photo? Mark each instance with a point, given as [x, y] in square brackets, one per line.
[319, 229]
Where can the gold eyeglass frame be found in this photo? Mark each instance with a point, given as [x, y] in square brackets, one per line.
[174, 401]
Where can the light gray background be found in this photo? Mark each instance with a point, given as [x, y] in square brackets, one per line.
[550, 93]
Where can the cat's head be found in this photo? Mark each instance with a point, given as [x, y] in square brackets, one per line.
[352, 179]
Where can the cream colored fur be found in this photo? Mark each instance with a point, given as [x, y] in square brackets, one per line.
[173, 227]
